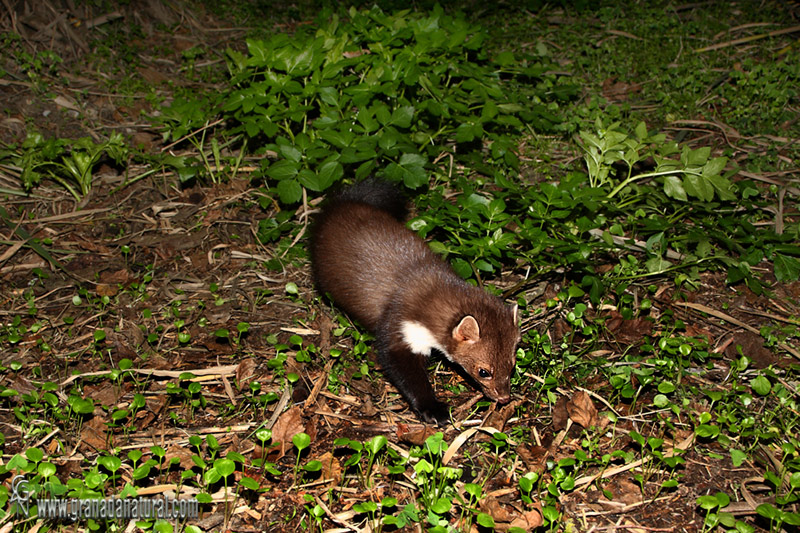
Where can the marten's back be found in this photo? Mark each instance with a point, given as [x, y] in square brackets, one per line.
[364, 257]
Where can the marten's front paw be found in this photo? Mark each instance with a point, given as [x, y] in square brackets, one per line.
[436, 413]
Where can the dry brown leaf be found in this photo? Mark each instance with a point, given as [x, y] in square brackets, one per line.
[368, 409]
[534, 457]
[152, 75]
[226, 385]
[244, 372]
[105, 289]
[697, 330]
[66, 103]
[93, 246]
[416, 437]
[289, 424]
[154, 405]
[181, 43]
[752, 345]
[625, 491]
[560, 414]
[331, 468]
[94, 433]
[631, 331]
[312, 429]
[105, 394]
[117, 276]
[355, 53]
[529, 520]
[581, 410]
[183, 454]
[22, 385]
[495, 509]
[143, 140]
[499, 416]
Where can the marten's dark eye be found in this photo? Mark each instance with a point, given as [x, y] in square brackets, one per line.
[482, 372]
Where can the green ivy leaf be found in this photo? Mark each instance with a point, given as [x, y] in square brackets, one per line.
[329, 173]
[313, 466]
[290, 152]
[722, 186]
[402, 116]
[673, 187]
[698, 157]
[786, 268]
[715, 166]
[738, 457]
[289, 191]
[283, 169]
[657, 264]
[485, 520]
[699, 187]
[707, 502]
[761, 385]
[505, 58]
[410, 169]
[666, 387]
[224, 467]
[441, 506]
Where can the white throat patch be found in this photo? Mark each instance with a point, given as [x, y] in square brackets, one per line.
[419, 339]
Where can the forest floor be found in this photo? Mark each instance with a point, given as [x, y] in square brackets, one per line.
[144, 280]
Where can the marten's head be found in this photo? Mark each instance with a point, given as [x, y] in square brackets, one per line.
[484, 344]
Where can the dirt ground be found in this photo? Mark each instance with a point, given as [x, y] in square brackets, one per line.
[159, 252]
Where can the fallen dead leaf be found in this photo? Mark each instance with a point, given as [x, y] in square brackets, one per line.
[355, 53]
[183, 454]
[416, 437]
[105, 394]
[529, 520]
[95, 433]
[123, 275]
[152, 75]
[534, 457]
[244, 372]
[581, 410]
[154, 405]
[331, 468]
[495, 509]
[752, 346]
[368, 409]
[66, 103]
[560, 414]
[104, 289]
[22, 385]
[289, 424]
[498, 417]
[625, 491]
[143, 140]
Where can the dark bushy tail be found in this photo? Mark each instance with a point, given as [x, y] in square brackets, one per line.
[377, 193]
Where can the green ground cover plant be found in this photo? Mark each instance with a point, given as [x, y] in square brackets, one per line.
[636, 196]
[367, 92]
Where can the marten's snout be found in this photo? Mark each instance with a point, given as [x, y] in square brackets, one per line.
[504, 399]
[501, 395]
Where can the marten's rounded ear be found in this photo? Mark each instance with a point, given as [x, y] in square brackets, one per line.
[467, 330]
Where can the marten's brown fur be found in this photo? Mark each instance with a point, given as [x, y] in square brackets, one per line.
[385, 276]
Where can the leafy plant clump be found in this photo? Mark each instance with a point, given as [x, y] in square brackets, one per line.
[68, 163]
[373, 93]
[396, 95]
[646, 207]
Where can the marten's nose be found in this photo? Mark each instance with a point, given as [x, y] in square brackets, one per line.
[504, 399]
